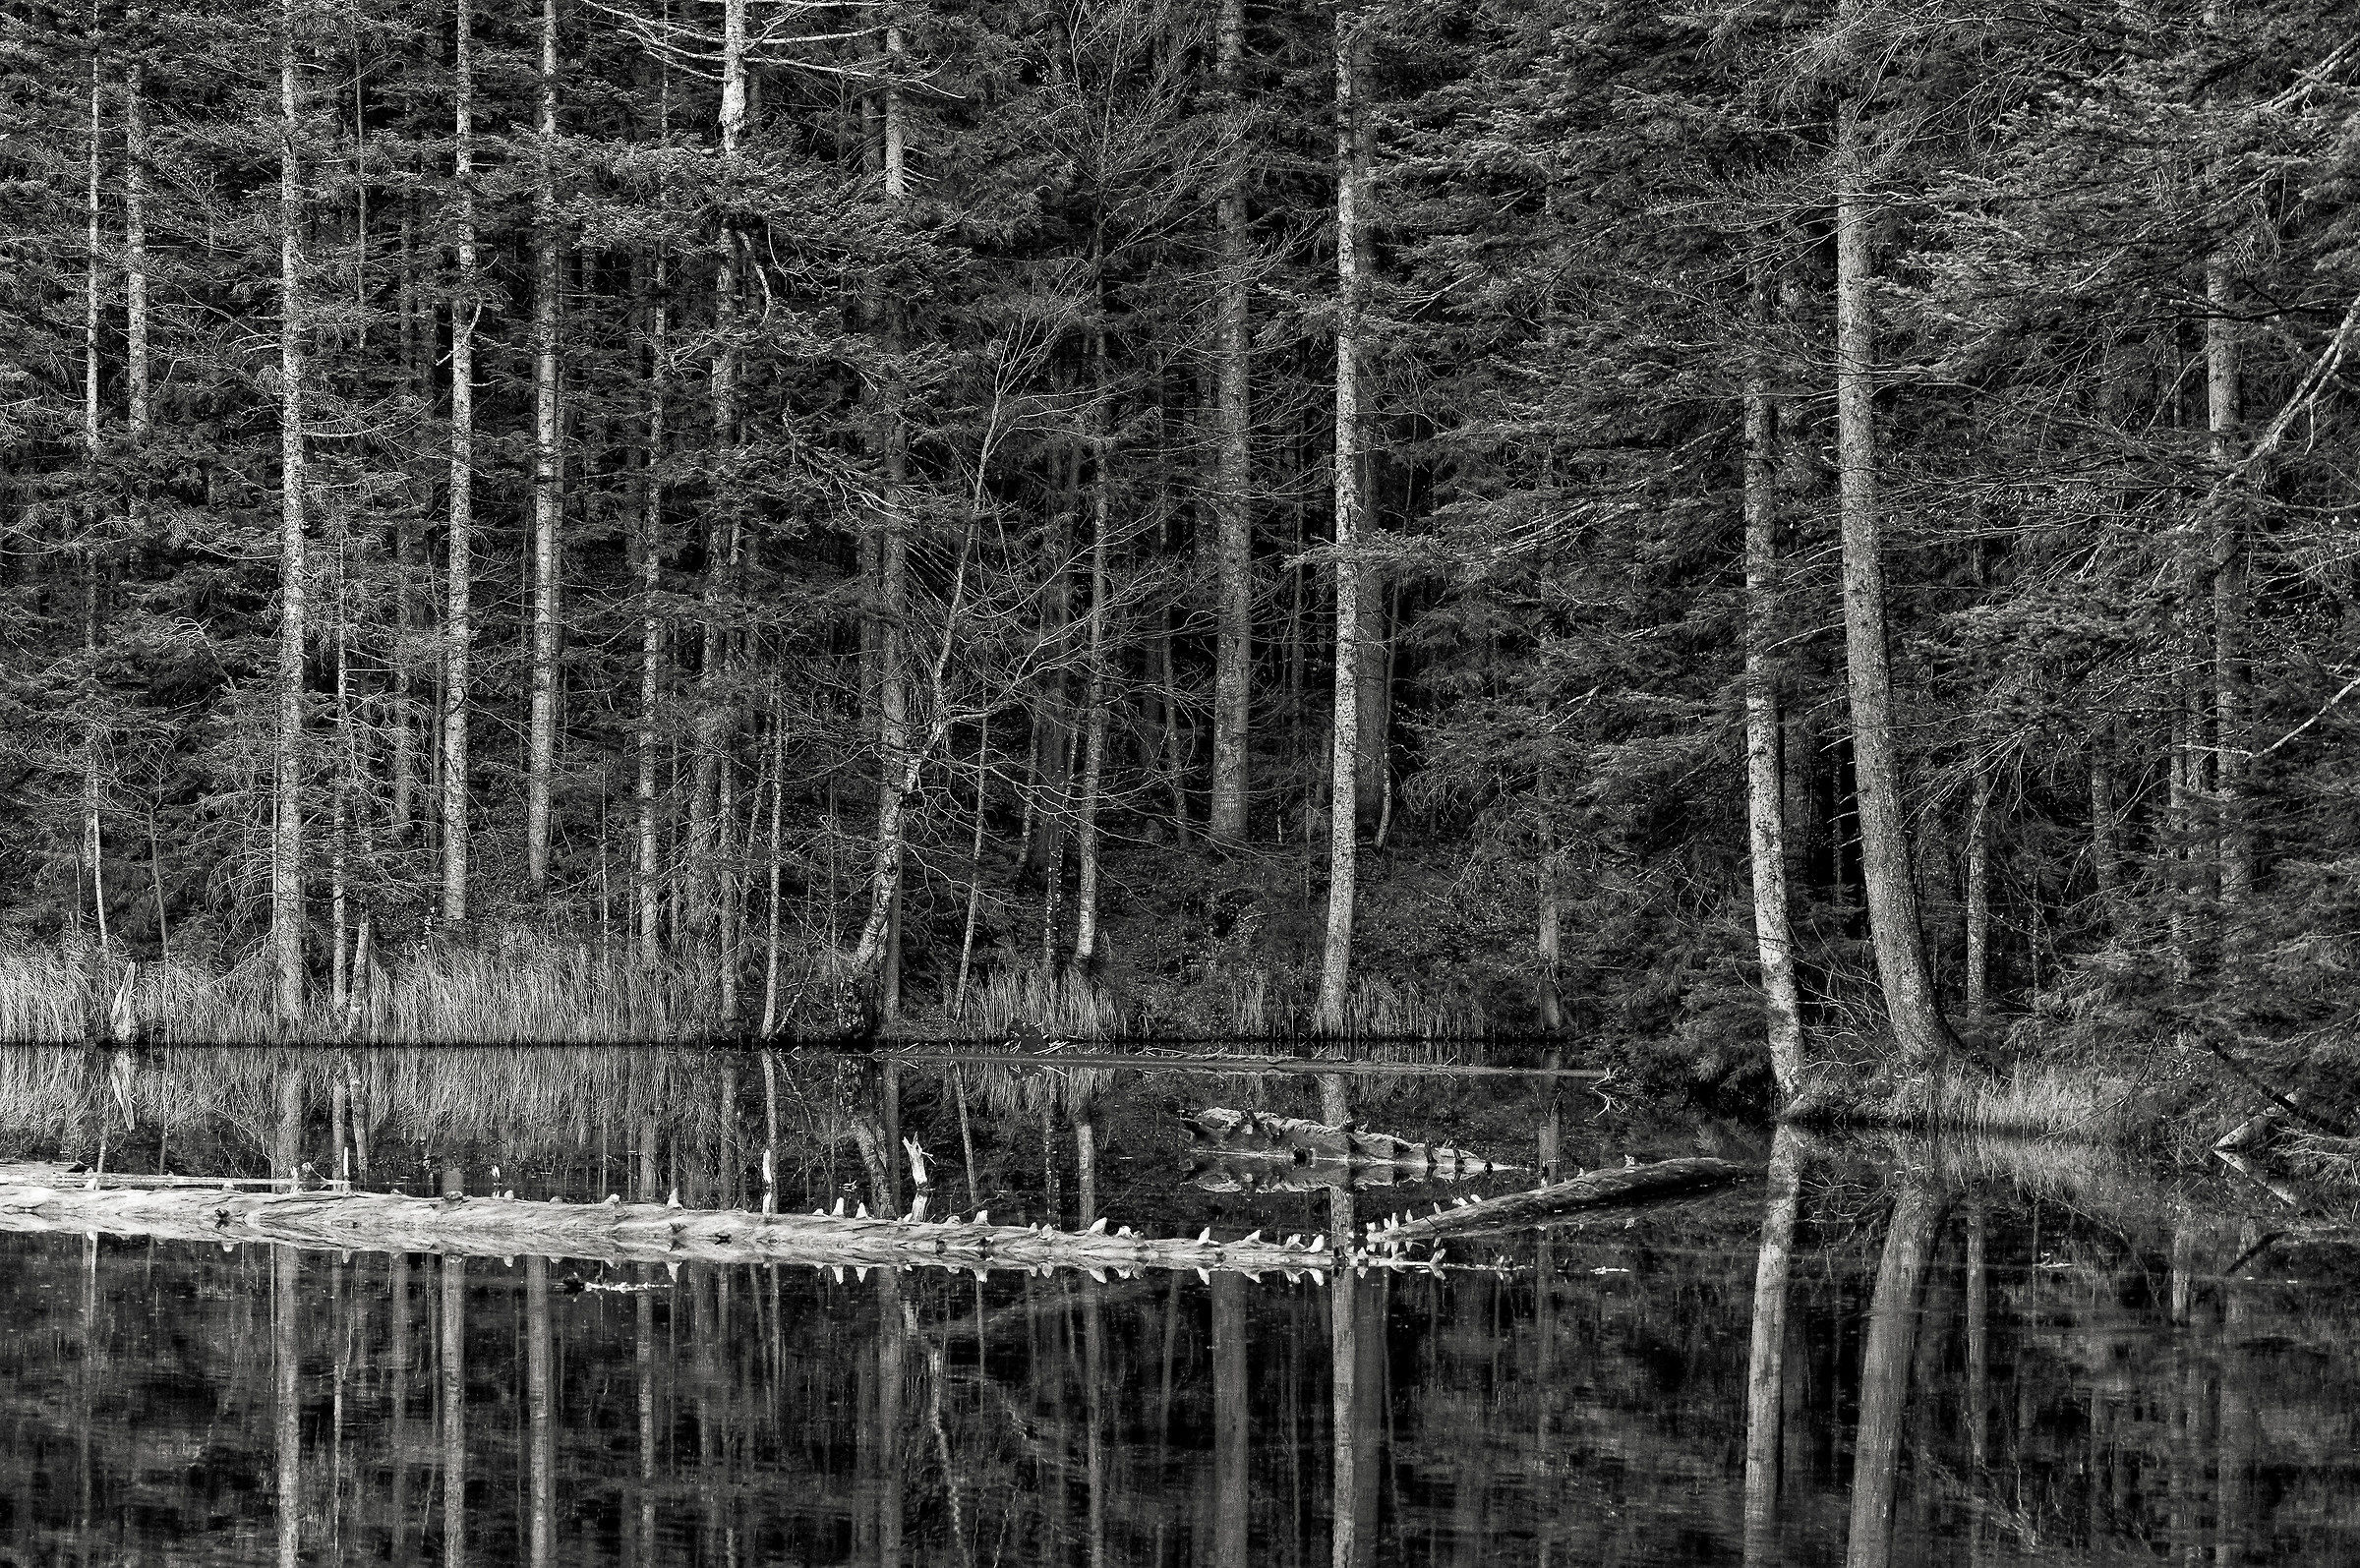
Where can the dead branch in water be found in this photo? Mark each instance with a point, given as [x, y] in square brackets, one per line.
[1632, 1183]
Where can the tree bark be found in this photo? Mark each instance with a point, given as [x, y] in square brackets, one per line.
[1979, 895]
[548, 498]
[2226, 413]
[712, 717]
[1765, 806]
[1335, 958]
[93, 292]
[286, 844]
[651, 631]
[893, 574]
[1094, 744]
[457, 623]
[1233, 517]
[1918, 1032]
[2106, 853]
[134, 239]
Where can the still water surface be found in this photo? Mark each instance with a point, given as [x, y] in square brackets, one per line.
[1902, 1355]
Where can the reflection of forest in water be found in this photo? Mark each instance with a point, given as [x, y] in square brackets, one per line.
[2025, 1359]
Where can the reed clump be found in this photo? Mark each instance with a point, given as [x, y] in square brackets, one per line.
[515, 986]
[1062, 1003]
[2029, 1098]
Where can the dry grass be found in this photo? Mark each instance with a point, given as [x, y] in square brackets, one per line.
[1065, 1005]
[2030, 1099]
[520, 986]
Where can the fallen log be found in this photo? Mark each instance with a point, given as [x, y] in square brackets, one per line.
[1219, 1130]
[1632, 1184]
[45, 1198]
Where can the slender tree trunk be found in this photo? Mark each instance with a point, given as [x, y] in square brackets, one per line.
[401, 718]
[135, 238]
[893, 576]
[340, 807]
[1979, 895]
[2106, 853]
[1335, 959]
[651, 634]
[1233, 516]
[457, 623]
[1773, 924]
[94, 291]
[777, 811]
[1918, 1032]
[548, 498]
[287, 858]
[1094, 746]
[1551, 936]
[975, 867]
[712, 717]
[2224, 401]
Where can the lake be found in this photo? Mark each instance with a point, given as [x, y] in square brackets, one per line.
[1881, 1352]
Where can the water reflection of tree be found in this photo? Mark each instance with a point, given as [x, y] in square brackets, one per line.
[1885, 1363]
[1478, 1417]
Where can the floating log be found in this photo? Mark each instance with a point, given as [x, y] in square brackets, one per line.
[1245, 1173]
[1220, 1130]
[44, 1198]
[1632, 1183]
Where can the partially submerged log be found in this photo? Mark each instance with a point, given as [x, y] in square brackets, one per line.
[1244, 1173]
[46, 1199]
[1625, 1184]
[1218, 1130]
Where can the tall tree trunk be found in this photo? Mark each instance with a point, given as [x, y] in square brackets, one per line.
[1335, 958]
[1093, 745]
[286, 845]
[651, 636]
[542, 722]
[2105, 852]
[712, 717]
[777, 810]
[1979, 895]
[134, 239]
[401, 715]
[1550, 935]
[341, 794]
[1233, 515]
[1918, 1032]
[893, 569]
[1765, 806]
[457, 622]
[651, 527]
[93, 292]
[2225, 407]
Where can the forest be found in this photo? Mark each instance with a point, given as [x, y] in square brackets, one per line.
[1780, 540]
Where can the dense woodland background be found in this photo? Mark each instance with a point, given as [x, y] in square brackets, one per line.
[826, 510]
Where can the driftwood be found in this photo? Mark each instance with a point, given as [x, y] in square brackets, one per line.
[1632, 1183]
[1256, 1135]
[45, 1197]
